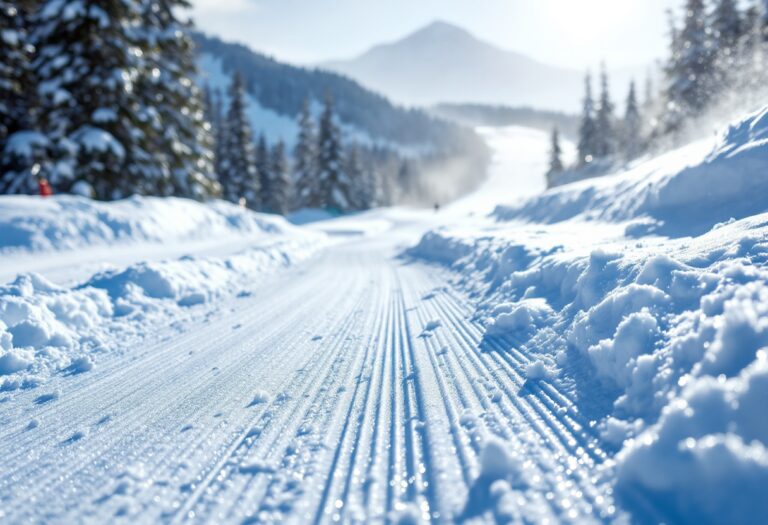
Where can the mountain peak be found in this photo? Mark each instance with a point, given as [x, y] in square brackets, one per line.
[441, 29]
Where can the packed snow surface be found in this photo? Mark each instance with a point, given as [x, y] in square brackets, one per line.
[596, 353]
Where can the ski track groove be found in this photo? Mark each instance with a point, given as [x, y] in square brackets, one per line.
[353, 426]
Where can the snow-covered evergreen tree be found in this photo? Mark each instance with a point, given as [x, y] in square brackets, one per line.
[305, 161]
[361, 190]
[373, 187]
[727, 30]
[239, 176]
[88, 63]
[587, 146]
[555, 158]
[727, 26]
[632, 126]
[219, 131]
[185, 146]
[15, 73]
[22, 149]
[605, 141]
[333, 184]
[264, 169]
[406, 187]
[280, 184]
[689, 71]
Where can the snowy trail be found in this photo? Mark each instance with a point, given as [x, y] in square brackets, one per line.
[352, 387]
[325, 395]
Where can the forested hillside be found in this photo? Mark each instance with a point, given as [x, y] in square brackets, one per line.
[101, 99]
[405, 146]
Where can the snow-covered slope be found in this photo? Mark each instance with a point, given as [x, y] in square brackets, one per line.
[643, 295]
[266, 121]
[684, 192]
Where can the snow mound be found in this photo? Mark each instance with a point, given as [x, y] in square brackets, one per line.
[47, 329]
[683, 192]
[706, 459]
[30, 223]
[521, 317]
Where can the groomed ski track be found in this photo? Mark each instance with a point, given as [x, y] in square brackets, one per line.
[322, 397]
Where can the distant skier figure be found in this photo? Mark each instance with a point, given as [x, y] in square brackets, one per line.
[44, 187]
[437, 207]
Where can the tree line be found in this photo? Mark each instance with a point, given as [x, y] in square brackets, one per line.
[322, 171]
[716, 48]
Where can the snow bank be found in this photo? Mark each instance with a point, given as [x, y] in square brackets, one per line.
[686, 191]
[47, 329]
[706, 460]
[666, 335]
[69, 222]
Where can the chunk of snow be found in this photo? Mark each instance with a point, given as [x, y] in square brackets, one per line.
[81, 364]
[497, 460]
[521, 318]
[536, 370]
[13, 361]
[260, 398]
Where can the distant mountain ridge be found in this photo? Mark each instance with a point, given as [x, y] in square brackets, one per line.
[280, 90]
[443, 63]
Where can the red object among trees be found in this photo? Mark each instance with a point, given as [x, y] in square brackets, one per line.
[45, 188]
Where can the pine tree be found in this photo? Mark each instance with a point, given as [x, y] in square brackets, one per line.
[213, 110]
[305, 161]
[186, 141]
[605, 143]
[334, 185]
[21, 147]
[280, 185]
[588, 128]
[219, 131]
[649, 96]
[239, 177]
[264, 169]
[88, 65]
[373, 187]
[555, 159]
[727, 28]
[689, 72]
[262, 154]
[632, 126]
[405, 182]
[14, 70]
[360, 194]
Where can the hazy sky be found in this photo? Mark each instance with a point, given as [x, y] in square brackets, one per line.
[573, 33]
